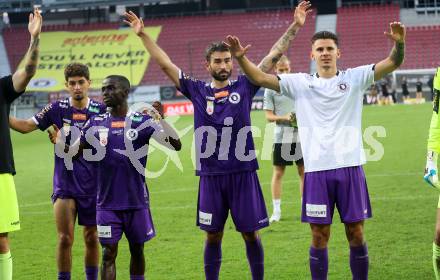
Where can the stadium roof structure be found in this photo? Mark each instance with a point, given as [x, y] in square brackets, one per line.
[26, 5]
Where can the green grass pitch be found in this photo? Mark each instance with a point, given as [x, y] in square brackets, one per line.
[399, 235]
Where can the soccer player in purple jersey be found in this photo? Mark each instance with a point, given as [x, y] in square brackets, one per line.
[74, 191]
[329, 113]
[11, 87]
[226, 161]
[121, 138]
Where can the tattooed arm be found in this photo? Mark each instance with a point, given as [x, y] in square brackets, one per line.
[281, 46]
[21, 77]
[395, 59]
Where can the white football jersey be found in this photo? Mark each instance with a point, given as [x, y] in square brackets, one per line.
[329, 115]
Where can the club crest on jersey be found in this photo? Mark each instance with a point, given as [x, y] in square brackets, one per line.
[343, 87]
[132, 134]
[209, 107]
[234, 98]
[103, 136]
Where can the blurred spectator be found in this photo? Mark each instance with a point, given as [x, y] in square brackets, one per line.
[405, 92]
[372, 96]
[385, 100]
[419, 92]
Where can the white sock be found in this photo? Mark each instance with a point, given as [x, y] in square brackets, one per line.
[277, 205]
[431, 160]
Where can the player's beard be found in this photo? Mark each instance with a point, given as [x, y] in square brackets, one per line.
[219, 77]
[78, 97]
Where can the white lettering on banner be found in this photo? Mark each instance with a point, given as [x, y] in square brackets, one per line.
[181, 108]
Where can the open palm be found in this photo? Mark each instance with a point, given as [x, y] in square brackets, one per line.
[235, 47]
[397, 32]
[301, 12]
[35, 23]
[136, 23]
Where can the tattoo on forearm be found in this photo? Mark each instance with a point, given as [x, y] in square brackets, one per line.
[31, 66]
[398, 53]
[277, 50]
[276, 58]
[283, 43]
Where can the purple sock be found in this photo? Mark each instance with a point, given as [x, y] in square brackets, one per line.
[213, 260]
[359, 262]
[255, 255]
[318, 263]
[91, 272]
[137, 277]
[63, 275]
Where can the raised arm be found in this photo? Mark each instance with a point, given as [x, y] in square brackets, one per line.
[254, 74]
[22, 126]
[164, 61]
[21, 77]
[395, 59]
[281, 46]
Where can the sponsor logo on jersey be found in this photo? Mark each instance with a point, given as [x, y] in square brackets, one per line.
[104, 231]
[94, 109]
[234, 98]
[221, 94]
[205, 218]
[316, 210]
[79, 117]
[136, 118]
[118, 124]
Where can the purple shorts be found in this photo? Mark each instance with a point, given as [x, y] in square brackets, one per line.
[238, 192]
[137, 225]
[345, 187]
[85, 208]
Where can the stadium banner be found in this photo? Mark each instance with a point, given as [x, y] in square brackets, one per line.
[178, 109]
[170, 93]
[106, 52]
[147, 94]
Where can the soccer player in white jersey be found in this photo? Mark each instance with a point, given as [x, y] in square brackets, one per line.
[329, 111]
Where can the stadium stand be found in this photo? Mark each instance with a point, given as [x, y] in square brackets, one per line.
[185, 38]
[360, 30]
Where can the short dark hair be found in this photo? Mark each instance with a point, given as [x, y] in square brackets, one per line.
[215, 47]
[121, 80]
[325, 35]
[76, 69]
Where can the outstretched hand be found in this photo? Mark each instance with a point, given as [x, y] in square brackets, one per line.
[301, 12]
[136, 23]
[235, 47]
[53, 134]
[397, 32]
[35, 23]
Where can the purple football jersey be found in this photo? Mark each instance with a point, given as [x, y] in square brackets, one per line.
[222, 124]
[79, 182]
[121, 170]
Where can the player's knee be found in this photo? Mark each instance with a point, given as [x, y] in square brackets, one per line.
[250, 236]
[4, 243]
[91, 238]
[320, 238]
[109, 254]
[137, 250]
[214, 237]
[355, 235]
[65, 240]
[279, 173]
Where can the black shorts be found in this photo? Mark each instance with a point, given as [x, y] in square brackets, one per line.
[287, 155]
